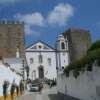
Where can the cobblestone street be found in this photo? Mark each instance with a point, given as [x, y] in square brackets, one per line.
[47, 94]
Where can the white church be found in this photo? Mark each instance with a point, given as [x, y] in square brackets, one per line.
[45, 61]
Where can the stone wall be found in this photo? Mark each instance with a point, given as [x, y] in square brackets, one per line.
[79, 41]
[11, 37]
[85, 87]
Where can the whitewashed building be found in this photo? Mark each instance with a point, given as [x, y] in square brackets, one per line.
[7, 74]
[44, 61]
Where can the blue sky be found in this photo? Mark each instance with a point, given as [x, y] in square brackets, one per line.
[45, 19]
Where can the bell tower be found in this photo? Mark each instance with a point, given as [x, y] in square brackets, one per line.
[62, 54]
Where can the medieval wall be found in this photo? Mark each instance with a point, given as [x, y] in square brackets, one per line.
[85, 87]
[11, 38]
[79, 41]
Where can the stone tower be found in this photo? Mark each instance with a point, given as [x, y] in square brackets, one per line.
[79, 41]
[62, 52]
[11, 39]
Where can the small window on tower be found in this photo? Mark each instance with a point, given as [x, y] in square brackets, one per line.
[63, 45]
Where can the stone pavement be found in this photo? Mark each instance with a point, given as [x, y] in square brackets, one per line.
[47, 94]
[53, 95]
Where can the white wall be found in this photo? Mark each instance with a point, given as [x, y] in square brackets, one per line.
[15, 63]
[49, 71]
[7, 74]
[85, 87]
[64, 58]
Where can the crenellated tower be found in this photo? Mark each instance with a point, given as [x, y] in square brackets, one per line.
[11, 39]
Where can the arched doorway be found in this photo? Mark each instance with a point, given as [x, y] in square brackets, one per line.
[41, 72]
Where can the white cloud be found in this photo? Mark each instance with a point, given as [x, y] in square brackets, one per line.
[31, 19]
[29, 30]
[34, 19]
[60, 15]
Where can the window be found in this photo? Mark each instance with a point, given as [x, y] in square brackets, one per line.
[34, 74]
[63, 45]
[31, 60]
[34, 47]
[49, 61]
[40, 59]
[40, 47]
[45, 47]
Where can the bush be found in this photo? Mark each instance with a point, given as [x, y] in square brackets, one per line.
[98, 62]
[89, 67]
[94, 46]
[76, 73]
[85, 63]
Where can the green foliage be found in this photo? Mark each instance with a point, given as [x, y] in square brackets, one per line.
[85, 63]
[95, 45]
[98, 62]
[89, 67]
[76, 73]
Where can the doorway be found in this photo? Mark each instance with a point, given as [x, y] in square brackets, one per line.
[41, 72]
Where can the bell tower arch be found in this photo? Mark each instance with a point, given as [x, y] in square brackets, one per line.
[62, 55]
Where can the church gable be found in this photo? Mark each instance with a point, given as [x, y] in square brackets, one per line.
[40, 46]
[33, 47]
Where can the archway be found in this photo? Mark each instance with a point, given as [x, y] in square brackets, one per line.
[41, 72]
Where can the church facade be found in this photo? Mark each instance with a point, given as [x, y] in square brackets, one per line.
[47, 62]
[43, 60]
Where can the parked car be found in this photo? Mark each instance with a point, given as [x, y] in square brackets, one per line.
[38, 82]
[34, 88]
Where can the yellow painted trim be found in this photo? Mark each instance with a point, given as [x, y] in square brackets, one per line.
[8, 97]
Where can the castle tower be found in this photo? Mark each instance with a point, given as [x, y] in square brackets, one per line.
[11, 39]
[79, 41]
[62, 52]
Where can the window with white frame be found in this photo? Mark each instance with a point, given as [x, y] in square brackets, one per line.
[49, 61]
[40, 58]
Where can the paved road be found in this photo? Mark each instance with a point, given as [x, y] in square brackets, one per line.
[47, 94]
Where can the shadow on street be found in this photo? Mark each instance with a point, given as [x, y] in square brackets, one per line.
[59, 97]
[55, 97]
